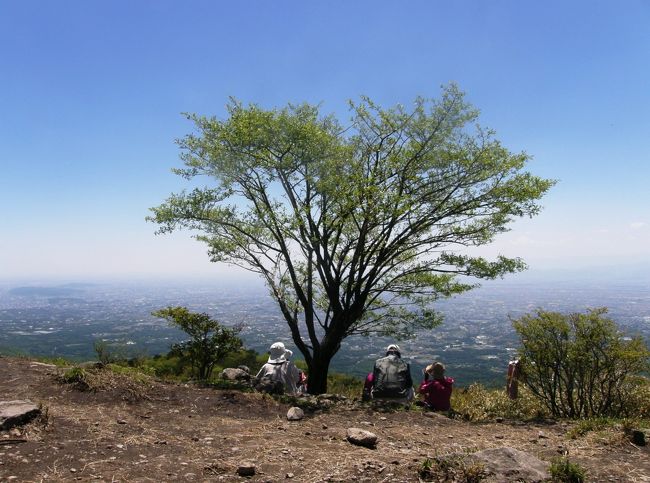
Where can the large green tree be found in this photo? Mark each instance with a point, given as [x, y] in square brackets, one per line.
[355, 229]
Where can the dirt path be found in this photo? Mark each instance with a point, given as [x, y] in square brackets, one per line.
[183, 433]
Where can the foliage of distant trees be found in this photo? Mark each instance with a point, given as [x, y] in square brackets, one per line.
[580, 365]
[354, 228]
[209, 343]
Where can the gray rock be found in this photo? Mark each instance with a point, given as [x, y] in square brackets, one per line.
[14, 413]
[235, 374]
[246, 469]
[295, 414]
[361, 437]
[244, 368]
[509, 465]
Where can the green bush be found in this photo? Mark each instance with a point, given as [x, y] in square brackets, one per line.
[562, 470]
[105, 353]
[209, 343]
[580, 365]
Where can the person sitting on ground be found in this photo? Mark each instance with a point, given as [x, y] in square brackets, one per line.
[391, 377]
[436, 388]
[280, 371]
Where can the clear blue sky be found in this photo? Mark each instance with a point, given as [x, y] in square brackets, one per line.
[91, 94]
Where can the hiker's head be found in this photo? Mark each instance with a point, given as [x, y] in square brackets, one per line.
[278, 353]
[436, 370]
[394, 350]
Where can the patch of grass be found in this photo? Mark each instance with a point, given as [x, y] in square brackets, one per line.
[451, 468]
[76, 376]
[344, 385]
[562, 470]
[585, 426]
[57, 361]
[426, 470]
[476, 403]
[139, 374]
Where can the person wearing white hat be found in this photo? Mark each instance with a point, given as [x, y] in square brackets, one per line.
[391, 377]
[280, 369]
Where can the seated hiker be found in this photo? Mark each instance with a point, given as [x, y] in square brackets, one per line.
[391, 377]
[279, 374]
[436, 388]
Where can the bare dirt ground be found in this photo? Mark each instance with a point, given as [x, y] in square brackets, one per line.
[166, 432]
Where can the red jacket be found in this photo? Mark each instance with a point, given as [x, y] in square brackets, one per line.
[437, 393]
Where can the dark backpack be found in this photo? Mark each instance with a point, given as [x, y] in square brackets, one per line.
[392, 378]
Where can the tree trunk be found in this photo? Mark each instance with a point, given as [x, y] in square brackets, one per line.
[318, 370]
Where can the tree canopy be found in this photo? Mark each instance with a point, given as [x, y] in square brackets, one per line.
[354, 228]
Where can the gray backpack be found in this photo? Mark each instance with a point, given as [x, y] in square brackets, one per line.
[392, 378]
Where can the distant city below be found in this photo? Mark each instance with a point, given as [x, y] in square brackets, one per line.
[475, 342]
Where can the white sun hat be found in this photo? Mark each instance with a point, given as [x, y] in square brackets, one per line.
[278, 353]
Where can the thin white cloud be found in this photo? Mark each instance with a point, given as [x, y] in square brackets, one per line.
[638, 224]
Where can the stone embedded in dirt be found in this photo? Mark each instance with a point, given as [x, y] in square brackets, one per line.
[246, 469]
[235, 374]
[361, 437]
[14, 413]
[508, 465]
[295, 414]
[121, 421]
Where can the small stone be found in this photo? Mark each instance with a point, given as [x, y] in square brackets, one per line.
[324, 426]
[246, 469]
[288, 475]
[361, 437]
[295, 414]
[542, 435]
[73, 470]
[498, 436]
[499, 420]
[119, 446]
[383, 418]
[121, 421]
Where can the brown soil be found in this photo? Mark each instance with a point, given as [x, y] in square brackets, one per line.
[166, 432]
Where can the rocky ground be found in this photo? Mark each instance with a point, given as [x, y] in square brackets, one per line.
[152, 431]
